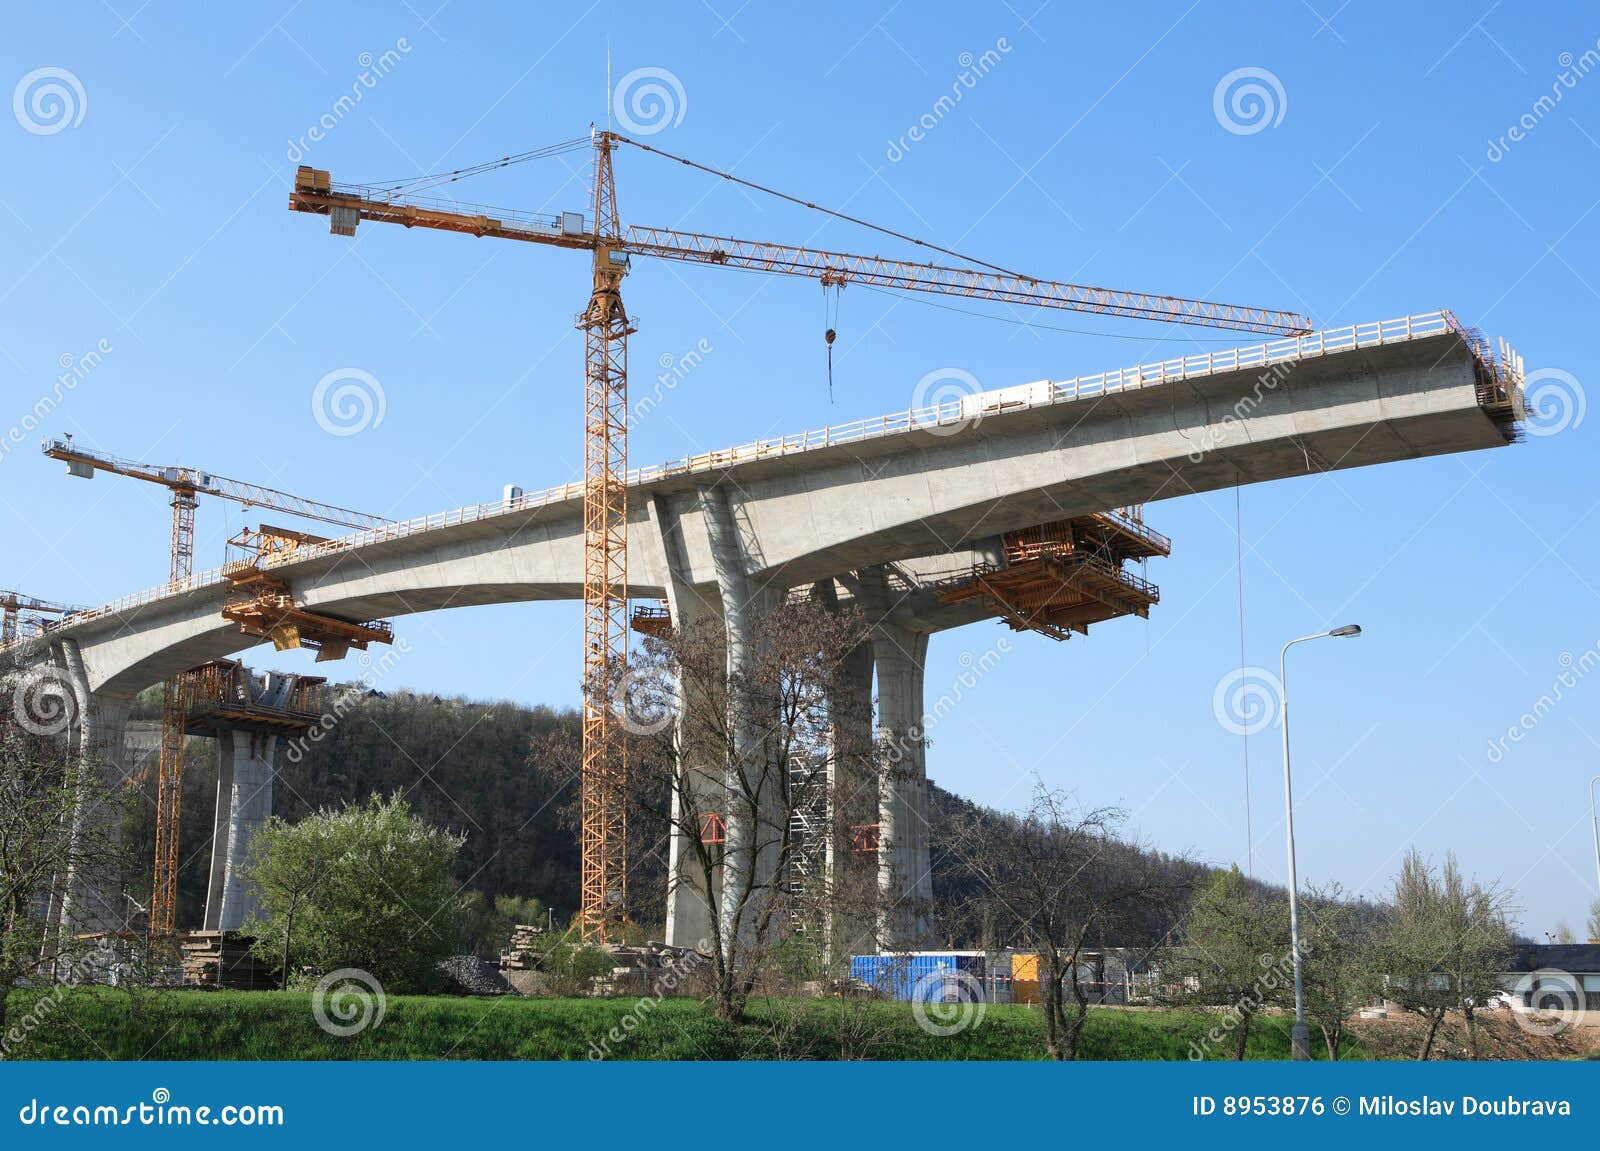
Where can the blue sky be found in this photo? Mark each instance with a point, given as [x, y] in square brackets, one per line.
[150, 214]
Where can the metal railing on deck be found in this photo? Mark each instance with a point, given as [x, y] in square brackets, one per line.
[954, 411]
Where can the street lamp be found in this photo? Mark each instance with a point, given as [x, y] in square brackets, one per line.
[1594, 820]
[1300, 1041]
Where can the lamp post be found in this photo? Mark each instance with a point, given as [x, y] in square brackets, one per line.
[1300, 1037]
[1594, 821]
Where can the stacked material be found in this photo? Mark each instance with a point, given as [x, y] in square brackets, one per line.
[223, 959]
[521, 954]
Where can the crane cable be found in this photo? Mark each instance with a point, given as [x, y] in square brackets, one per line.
[422, 183]
[1249, 834]
[825, 211]
[829, 324]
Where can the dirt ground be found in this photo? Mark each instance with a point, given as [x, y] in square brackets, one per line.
[1499, 1037]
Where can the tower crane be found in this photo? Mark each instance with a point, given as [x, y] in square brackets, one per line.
[186, 485]
[606, 328]
[14, 603]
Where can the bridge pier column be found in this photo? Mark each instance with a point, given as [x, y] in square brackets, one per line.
[247, 766]
[905, 880]
[694, 879]
[852, 804]
[752, 781]
[91, 894]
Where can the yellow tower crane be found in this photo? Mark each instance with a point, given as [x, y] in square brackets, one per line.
[19, 613]
[186, 486]
[606, 329]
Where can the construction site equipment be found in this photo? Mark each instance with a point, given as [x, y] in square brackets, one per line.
[649, 619]
[25, 614]
[223, 696]
[186, 485]
[606, 328]
[1060, 577]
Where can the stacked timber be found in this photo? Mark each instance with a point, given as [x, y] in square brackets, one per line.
[223, 959]
[521, 955]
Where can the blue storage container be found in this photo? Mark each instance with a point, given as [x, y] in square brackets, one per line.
[923, 976]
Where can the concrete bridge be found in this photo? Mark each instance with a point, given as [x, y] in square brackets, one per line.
[911, 494]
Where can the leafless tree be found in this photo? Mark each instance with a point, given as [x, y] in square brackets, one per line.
[746, 761]
[1061, 880]
[45, 787]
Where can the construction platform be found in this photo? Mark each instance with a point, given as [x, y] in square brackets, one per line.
[1060, 577]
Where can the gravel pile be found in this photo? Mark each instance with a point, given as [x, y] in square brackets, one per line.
[469, 975]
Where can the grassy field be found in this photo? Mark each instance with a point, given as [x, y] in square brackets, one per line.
[106, 1024]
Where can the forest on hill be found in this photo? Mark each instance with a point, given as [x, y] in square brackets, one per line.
[466, 766]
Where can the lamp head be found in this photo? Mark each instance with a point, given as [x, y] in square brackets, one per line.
[1349, 629]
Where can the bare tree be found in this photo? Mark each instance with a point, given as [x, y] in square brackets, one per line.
[1059, 879]
[746, 763]
[45, 786]
[1594, 922]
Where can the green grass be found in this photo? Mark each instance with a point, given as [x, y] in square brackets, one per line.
[101, 1023]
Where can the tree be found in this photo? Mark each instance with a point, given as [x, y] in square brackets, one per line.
[366, 886]
[1594, 922]
[1445, 945]
[1337, 960]
[1060, 880]
[44, 788]
[1564, 933]
[736, 763]
[1236, 952]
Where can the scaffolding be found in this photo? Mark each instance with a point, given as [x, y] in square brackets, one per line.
[1057, 578]
[806, 882]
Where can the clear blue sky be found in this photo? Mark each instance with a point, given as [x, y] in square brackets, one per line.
[154, 219]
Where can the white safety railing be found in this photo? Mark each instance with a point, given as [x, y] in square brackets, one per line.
[954, 411]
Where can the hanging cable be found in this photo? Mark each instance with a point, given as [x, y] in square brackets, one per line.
[1249, 834]
[830, 322]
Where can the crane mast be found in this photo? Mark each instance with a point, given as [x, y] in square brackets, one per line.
[606, 329]
[603, 780]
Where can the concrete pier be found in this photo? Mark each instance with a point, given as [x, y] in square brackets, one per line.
[905, 878]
